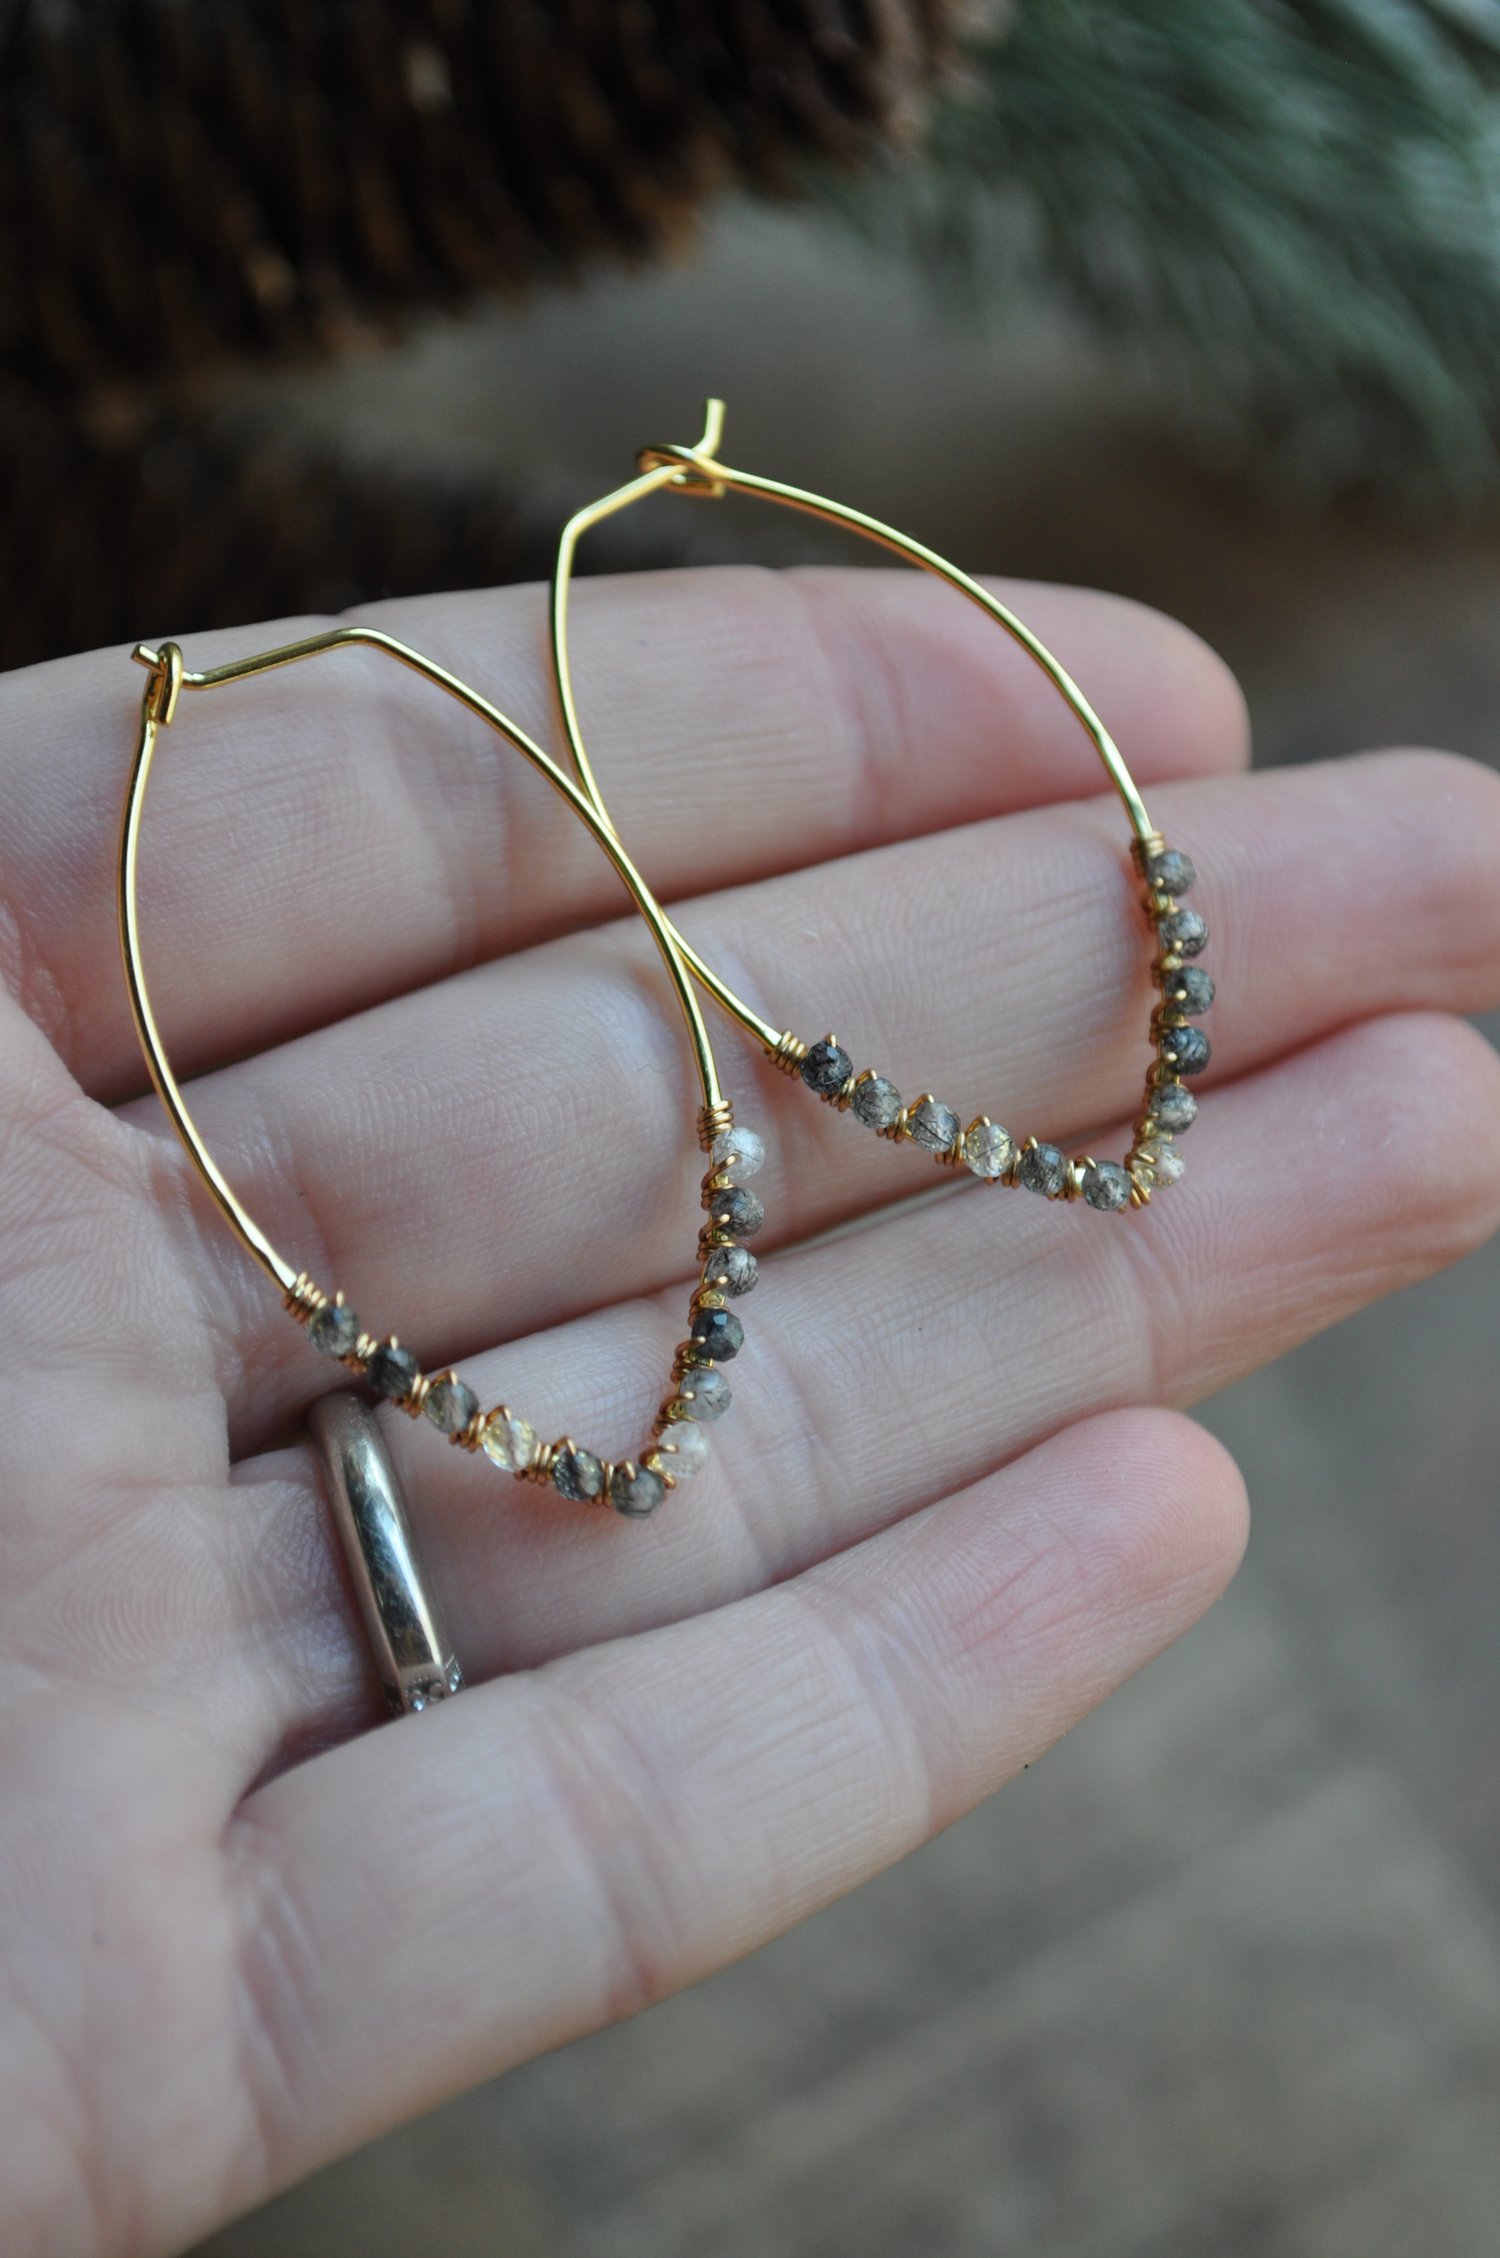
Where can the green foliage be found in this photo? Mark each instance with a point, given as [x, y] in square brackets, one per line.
[1292, 207]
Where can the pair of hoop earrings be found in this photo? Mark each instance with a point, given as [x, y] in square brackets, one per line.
[699, 1394]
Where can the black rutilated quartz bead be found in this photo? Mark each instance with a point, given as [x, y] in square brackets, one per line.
[826, 1068]
[450, 1405]
[875, 1102]
[704, 1395]
[733, 1270]
[1171, 872]
[1189, 990]
[1174, 1107]
[719, 1333]
[1106, 1186]
[736, 1210]
[333, 1329]
[1044, 1169]
[635, 1491]
[577, 1474]
[392, 1372]
[1185, 1049]
[1183, 932]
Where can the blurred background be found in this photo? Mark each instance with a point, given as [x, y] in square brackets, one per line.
[304, 302]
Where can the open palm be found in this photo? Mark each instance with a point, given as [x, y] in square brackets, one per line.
[241, 1930]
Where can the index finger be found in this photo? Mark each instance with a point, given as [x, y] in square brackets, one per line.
[325, 839]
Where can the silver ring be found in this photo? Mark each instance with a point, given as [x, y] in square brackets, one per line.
[412, 1650]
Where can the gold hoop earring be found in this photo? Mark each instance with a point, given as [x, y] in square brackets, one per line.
[989, 1151]
[700, 1394]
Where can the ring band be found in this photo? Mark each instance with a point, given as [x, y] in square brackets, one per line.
[411, 1648]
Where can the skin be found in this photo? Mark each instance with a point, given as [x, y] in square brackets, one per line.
[244, 1925]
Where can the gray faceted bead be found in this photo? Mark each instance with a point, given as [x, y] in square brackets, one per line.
[1183, 932]
[876, 1103]
[733, 1270]
[1185, 1049]
[635, 1491]
[450, 1405]
[736, 1209]
[1044, 1169]
[577, 1474]
[703, 1395]
[1173, 1106]
[933, 1126]
[1171, 872]
[826, 1068]
[1189, 991]
[392, 1372]
[333, 1329]
[719, 1334]
[1106, 1186]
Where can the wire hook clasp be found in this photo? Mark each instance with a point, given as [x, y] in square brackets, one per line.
[695, 466]
[167, 669]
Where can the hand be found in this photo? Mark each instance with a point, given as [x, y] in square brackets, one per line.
[243, 1924]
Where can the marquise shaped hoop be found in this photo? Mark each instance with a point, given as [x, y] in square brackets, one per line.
[699, 1392]
[1180, 1049]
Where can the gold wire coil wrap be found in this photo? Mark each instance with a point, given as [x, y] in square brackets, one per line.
[545, 1457]
[713, 1122]
[304, 1298]
[787, 1052]
[1145, 846]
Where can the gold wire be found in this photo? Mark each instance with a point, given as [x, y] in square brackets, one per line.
[696, 470]
[168, 676]
[713, 1121]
